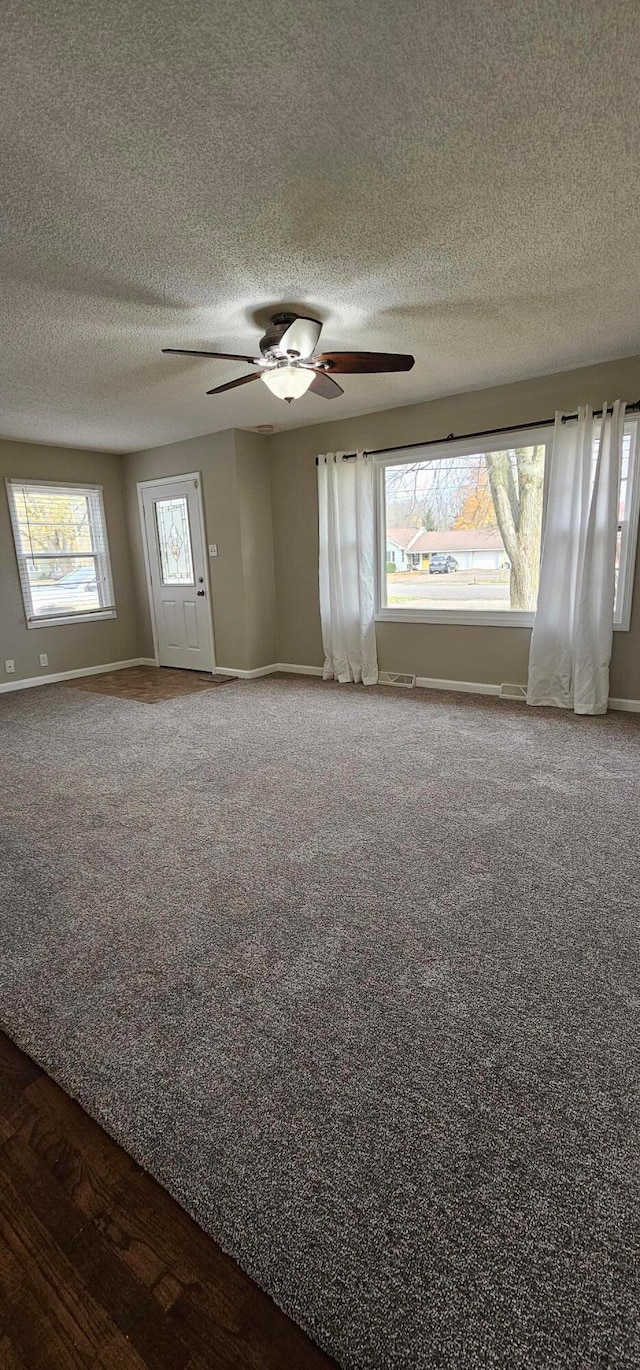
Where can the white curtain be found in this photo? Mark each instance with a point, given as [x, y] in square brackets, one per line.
[347, 567]
[573, 627]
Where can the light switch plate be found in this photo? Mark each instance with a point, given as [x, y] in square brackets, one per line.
[213, 549]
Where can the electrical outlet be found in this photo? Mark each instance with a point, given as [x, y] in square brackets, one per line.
[9, 667]
[44, 660]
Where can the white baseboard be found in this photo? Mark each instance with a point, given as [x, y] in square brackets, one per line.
[31, 681]
[244, 675]
[472, 687]
[283, 666]
[52, 679]
[631, 706]
[288, 669]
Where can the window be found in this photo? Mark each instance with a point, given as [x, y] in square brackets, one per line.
[174, 541]
[468, 516]
[63, 558]
[628, 514]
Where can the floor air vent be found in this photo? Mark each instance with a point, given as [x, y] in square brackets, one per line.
[396, 678]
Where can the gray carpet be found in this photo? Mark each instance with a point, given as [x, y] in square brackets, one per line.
[354, 974]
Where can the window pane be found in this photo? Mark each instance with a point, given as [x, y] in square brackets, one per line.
[64, 586]
[463, 532]
[174, 541]
[624, 466]
[49, 521]
[623, 512]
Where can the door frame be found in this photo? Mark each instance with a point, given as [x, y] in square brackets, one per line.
[143, 485]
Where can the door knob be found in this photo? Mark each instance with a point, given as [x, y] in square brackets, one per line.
[199, 592]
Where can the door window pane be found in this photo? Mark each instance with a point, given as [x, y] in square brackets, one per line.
[174, 541]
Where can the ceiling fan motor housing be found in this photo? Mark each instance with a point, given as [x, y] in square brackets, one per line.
[269, 344]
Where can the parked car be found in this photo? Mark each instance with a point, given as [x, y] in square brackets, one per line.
[72, 592]
[441, 564]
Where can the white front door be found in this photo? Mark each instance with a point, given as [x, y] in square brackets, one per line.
[173, 528]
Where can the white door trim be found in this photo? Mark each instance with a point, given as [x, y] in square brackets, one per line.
[143, 485]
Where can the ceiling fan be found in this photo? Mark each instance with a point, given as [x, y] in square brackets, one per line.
[289, 364]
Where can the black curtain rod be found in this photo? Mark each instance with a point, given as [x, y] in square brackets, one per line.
[483, 433]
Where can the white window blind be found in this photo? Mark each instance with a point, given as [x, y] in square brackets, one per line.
[62, 551]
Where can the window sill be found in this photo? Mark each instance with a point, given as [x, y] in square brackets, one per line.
[70, 618]
[506, 619]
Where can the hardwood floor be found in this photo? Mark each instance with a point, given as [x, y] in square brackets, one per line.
[147, 684]
[99, 1267]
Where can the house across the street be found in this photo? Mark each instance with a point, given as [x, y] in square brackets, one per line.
[482, 549]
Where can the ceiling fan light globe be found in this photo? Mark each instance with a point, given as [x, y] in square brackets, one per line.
[288, 382]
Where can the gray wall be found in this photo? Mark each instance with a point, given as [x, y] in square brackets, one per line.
[256, 536]
[71, 646]
[260, 503]
[446, 651]
[237, 512]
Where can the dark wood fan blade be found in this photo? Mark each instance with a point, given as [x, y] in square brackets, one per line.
[223, 356]
[231, 385]
[350, 363]
[323, 384]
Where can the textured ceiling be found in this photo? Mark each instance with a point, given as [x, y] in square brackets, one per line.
[455, 178]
